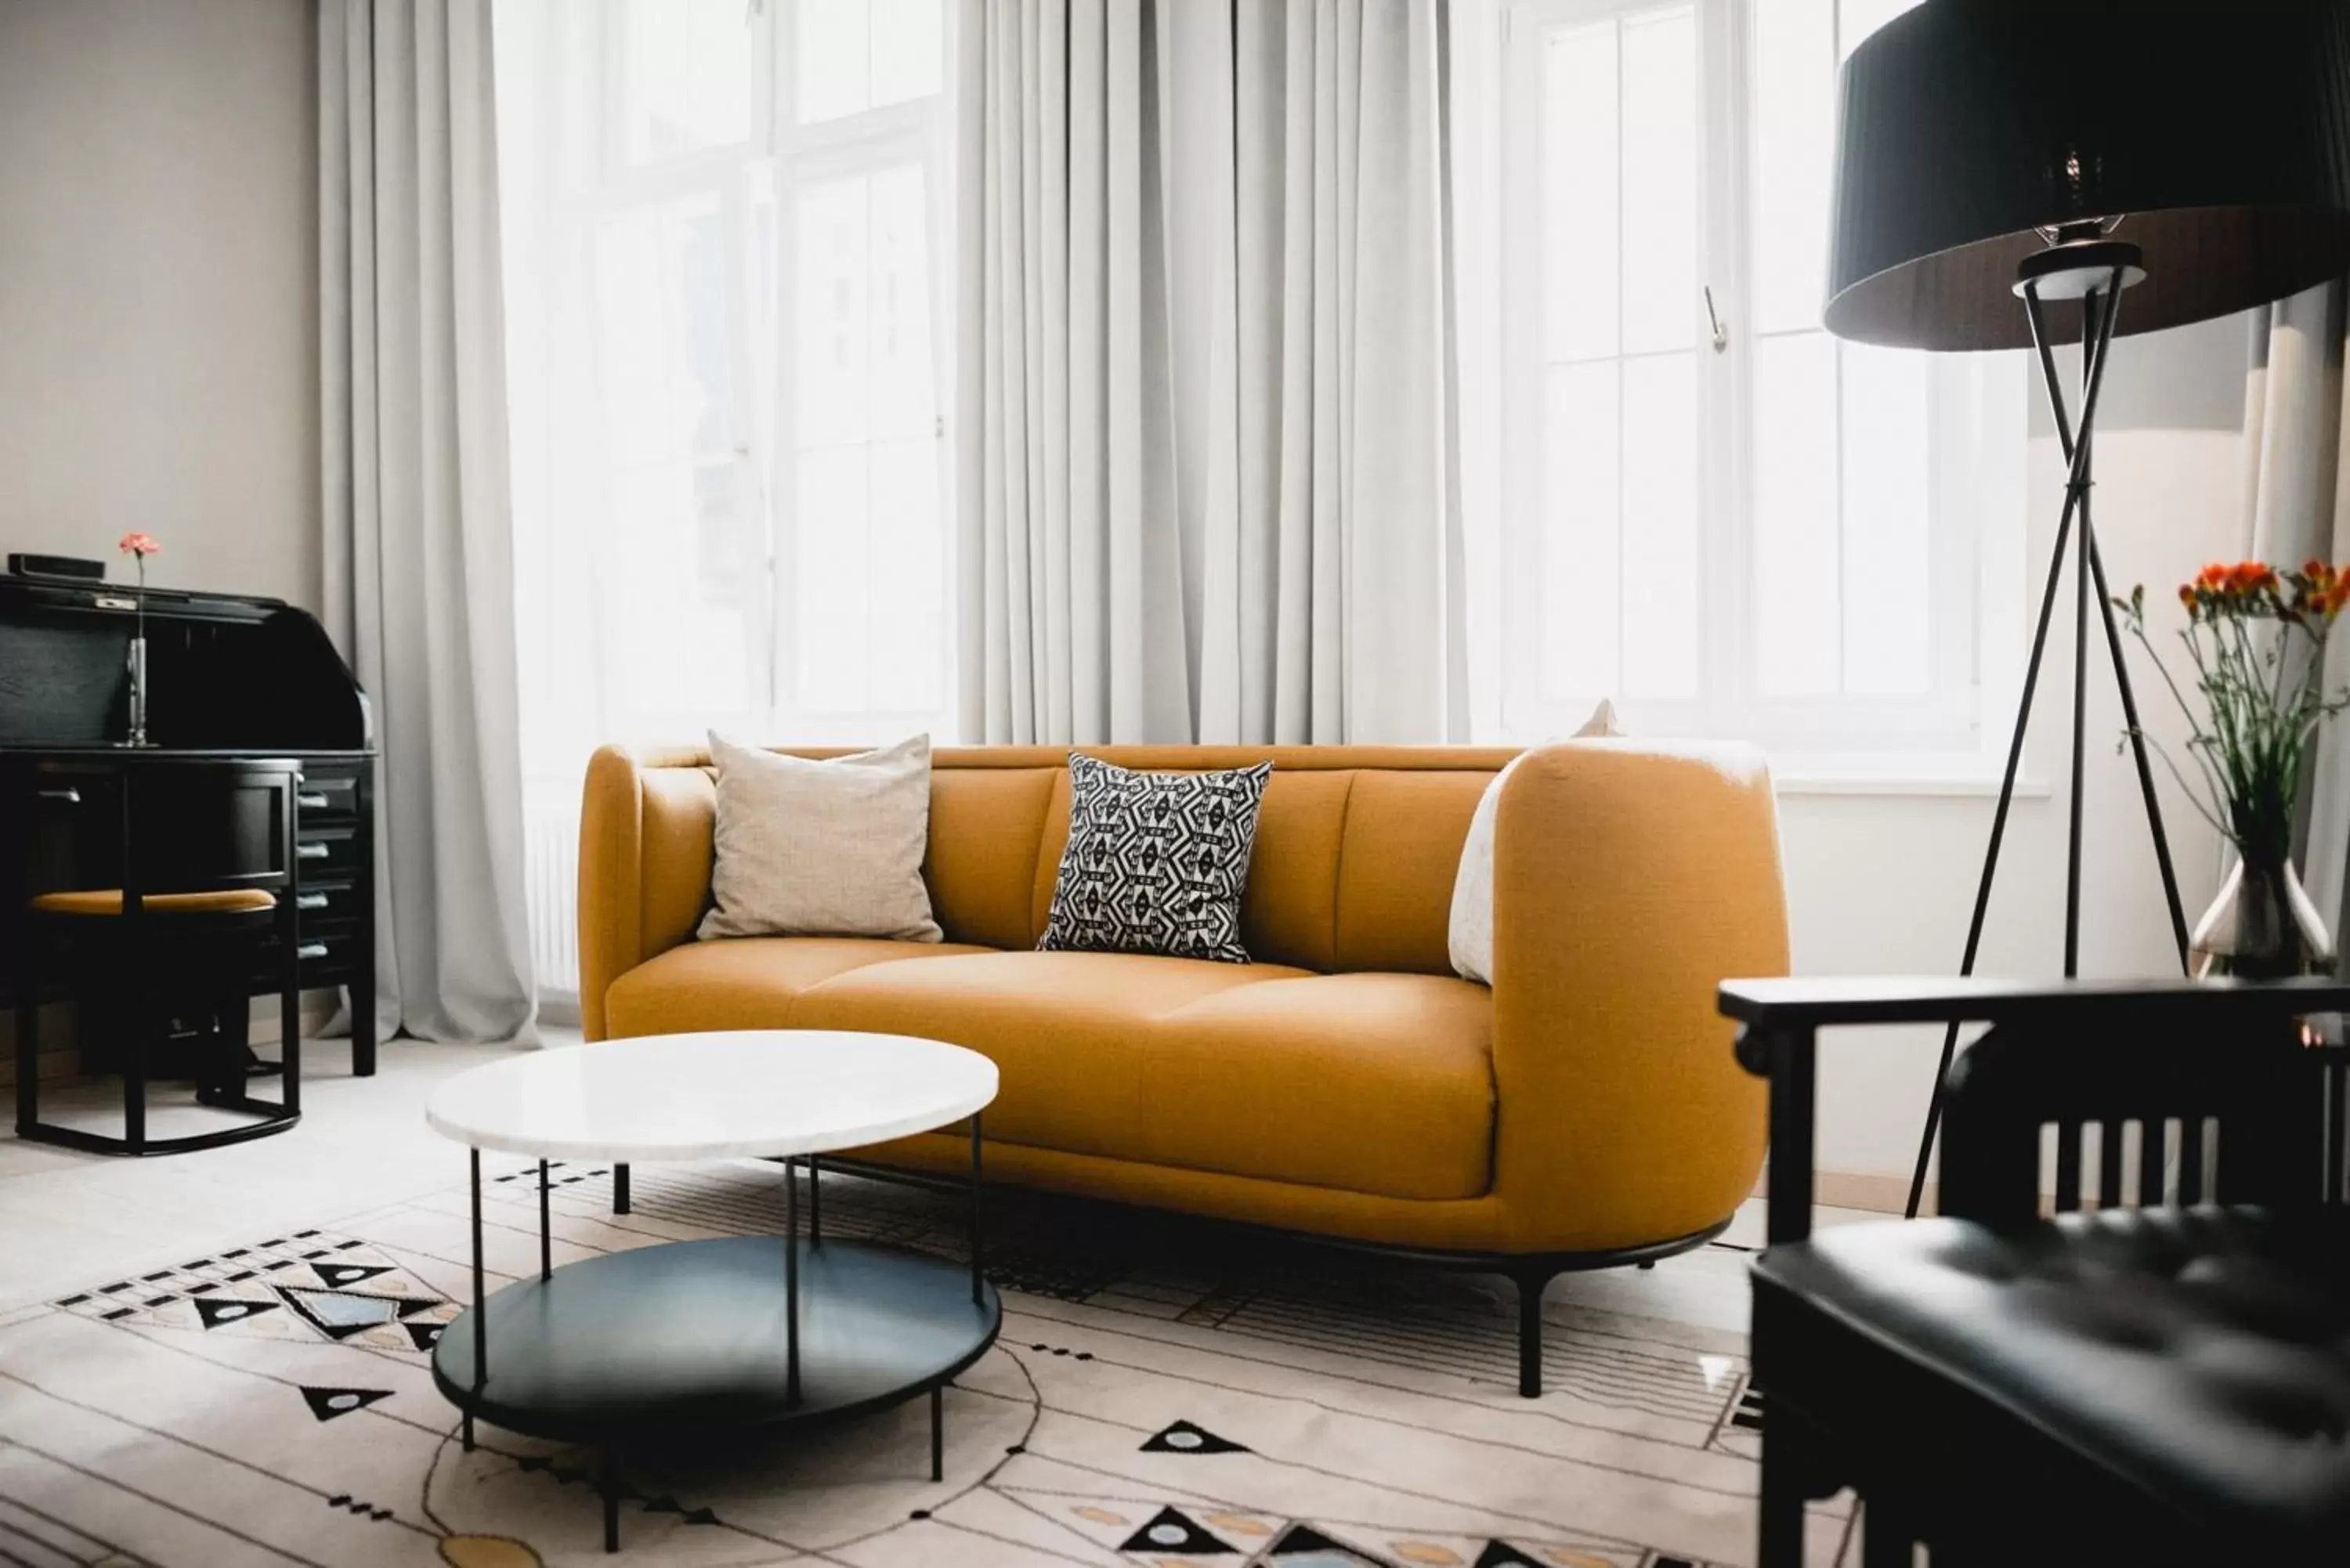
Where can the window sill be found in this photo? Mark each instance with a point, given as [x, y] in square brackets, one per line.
[1960, 778]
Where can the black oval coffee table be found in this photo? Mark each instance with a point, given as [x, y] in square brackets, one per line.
[685, 1339]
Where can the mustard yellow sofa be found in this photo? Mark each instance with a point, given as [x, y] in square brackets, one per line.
[1583, 1111]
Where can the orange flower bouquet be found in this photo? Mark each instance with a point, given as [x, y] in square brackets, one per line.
[2257, 637]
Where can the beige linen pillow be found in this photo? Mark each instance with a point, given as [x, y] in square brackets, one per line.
[1472, 888]
[831, 849]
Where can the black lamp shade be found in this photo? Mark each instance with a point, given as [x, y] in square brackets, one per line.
[2217, 132]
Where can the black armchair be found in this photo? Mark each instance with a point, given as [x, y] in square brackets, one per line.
[2125, 1338]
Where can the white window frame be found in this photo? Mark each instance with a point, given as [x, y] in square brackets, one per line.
[779, 158]
[1975, 485]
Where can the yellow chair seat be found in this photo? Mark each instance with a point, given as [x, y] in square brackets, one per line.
[108, 901]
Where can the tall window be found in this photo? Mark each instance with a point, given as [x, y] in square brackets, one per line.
[725, 228]
[1717, 515]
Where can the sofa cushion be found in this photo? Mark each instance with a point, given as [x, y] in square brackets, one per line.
[1067, 1031]
[1369, 1083]
[1374, 1082]
[743, 983]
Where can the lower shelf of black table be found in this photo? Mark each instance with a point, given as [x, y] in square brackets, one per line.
[688, 1337]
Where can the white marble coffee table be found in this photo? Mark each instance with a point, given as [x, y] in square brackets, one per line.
[687, 1338]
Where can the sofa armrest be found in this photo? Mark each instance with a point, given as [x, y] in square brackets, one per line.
[1630, 878]
[611, 879]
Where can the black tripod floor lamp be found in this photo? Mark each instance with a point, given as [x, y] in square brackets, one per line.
[2118, 167]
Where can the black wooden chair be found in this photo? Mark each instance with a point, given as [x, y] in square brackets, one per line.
[198, 887]
[2151, 1367]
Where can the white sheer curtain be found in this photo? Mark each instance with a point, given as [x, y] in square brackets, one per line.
[1208, 488]
[727, 341]
[420, 586]
[1069, 570]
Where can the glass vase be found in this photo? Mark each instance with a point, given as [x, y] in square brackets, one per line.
[2261, 926]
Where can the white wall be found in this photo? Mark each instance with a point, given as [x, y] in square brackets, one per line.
[159, 286]
[1884, 884]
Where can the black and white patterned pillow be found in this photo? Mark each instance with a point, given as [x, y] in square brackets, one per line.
[1156, 863]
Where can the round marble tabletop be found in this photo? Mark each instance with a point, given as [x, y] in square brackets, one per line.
[746, 1093]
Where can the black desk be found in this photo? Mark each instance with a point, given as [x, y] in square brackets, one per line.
[229, 677]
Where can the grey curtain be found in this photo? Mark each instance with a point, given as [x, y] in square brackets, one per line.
[420, 579]
[1307, 588]
[2296, 506]
[1330, 536]
[1071, 610]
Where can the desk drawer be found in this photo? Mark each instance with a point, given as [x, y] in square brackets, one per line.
[328, 851]
[329, 953]
[328, 797]
[321, 904]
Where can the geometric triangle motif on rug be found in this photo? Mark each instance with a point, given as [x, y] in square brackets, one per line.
[1303, 1546]
[328, 1403]
[1184, 1438]
[1173, 1532]
[1501, 1554]
[216, 1310]
[342, 1276]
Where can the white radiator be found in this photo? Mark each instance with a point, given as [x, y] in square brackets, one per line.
[551, 875]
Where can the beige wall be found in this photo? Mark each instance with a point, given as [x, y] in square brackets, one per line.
[159, 297]
[159, 286]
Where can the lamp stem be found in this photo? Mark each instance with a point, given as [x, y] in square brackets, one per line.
[2076, 491]
[2092, 317]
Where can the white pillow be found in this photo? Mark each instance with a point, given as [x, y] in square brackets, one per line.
[831, 849]
[1472, 889]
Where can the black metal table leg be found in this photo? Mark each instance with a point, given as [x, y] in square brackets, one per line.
[816, 1199]
[481, 1301]
[619, 1190]
[791, 1281]
[939, 1433]
[978, 1274]
[607, 1487]
[546, 1241]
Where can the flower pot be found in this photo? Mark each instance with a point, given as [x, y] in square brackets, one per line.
[2261, 926]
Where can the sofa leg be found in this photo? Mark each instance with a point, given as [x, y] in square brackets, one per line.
[1530, 1334]
[1782, 1535]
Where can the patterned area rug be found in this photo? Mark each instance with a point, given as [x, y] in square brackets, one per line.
[1162, 1395]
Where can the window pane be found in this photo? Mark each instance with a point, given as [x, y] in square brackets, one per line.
[1659, 529]
[869, 558]
[907, 651]
[660, 275]
[1886, 646]
[1581, 495]
[832, 344]
[1795, 120]
[908, 45]
[833, 587]
[1660, 180]
[1580, 306]
[685, 77]
[835, 71]
[904, 399]
[856, 54]
[682, 616]
[1796, 567]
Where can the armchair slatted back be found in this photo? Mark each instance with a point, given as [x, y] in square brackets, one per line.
[2131, 1117]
